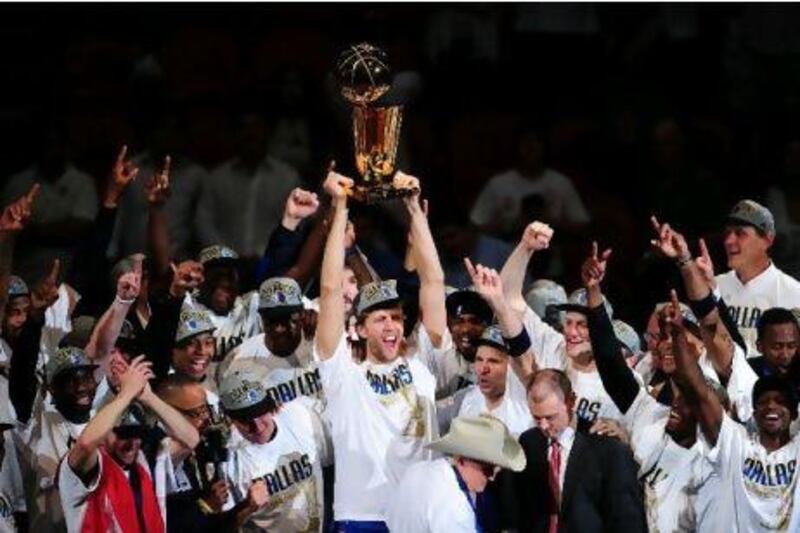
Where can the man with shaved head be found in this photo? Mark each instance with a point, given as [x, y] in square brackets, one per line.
[599, 493]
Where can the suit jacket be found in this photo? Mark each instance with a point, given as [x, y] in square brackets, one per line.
[601, 491]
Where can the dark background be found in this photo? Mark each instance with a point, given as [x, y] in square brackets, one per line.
[678, 109]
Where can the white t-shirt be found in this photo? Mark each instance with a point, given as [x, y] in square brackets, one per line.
[49, 440]
[429, 500]
[592, 401]
[503, 194]
[285, 378]
[548, 345]
[290, 464]
[513, 409]
[759, 488]
[75, 494]
[241, 322]
[550, 351]
[381, 416]
[12, 494]
[771, 288]
[672, 475]
[740, 383]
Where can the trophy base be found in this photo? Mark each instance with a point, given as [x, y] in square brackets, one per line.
[380, 193]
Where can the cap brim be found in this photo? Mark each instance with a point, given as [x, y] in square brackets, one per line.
[220, 261]
[385, 304]
[514, 461]
[279, 312]
[572, 308]
[735, 221]
[472, 302]
[267, 405]
[485, 342]
[90, 366]
[193, 335]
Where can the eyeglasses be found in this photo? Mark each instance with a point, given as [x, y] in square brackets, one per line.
[195, 413]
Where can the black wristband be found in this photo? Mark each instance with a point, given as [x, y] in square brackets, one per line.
[518, 345]
[701, 308]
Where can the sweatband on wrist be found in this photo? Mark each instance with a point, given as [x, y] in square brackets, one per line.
[519, 344]
[701, 308]
[124, 301]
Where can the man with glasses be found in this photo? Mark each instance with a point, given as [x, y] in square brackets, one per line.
[196, 500]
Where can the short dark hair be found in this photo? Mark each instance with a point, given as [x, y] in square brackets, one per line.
[776, 383]
[773, 317]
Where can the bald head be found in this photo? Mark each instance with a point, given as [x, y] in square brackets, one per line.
[181, 392]
[549, 381]
[551, 400]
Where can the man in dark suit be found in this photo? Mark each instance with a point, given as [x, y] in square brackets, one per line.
[573, 482]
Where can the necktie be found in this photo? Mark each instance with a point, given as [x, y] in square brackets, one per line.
[555, 484]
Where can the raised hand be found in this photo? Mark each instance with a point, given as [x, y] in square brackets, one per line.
[157, 189]
[135, 378]
[129, 284]
[16, 215]
[537, 236]
[669, 242]
[705, 264]
[594, 267]
[186, 276]
[337, 185]
[487, 282]
[300, 205]
[123, 171]
[401, 180]
[672, 312]
[45, 293]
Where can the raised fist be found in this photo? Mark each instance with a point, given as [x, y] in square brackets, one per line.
[537, 236]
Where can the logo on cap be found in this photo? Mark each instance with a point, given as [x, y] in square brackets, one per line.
[376, 293]
[216, 253]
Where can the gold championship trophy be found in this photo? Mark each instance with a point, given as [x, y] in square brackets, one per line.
[363, 75]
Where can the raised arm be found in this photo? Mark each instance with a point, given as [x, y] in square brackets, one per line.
[330, 324]
[616, 375]
[490, 286]
[89, 262]
[110, 324]
[689, 378]
[158, 240]
[12, 221]
[292, 251]
[715, 334]
[183, 434]
[83, 456]
[536, 237]
[429, 268]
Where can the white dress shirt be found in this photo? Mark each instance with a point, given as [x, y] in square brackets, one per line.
[565, 439]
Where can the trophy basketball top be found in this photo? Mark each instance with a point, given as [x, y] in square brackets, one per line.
[363, 74]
